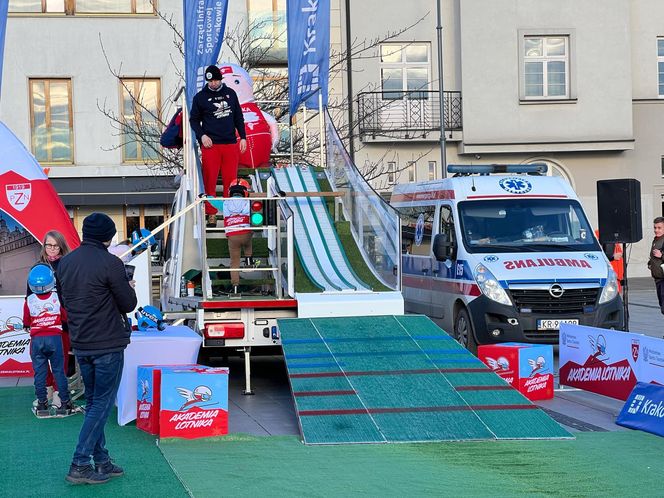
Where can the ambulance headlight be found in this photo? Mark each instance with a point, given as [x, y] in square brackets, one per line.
[610, 290]
[489, 286]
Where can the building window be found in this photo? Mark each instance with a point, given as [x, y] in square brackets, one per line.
[546, 67]
[270, 86]
[267, 30]
[660, 65]
[432, 170]
[391, 172]
[71, 7]
[405, 68]
[662, 165]
[412, 171]
[51, 120]
[37, 6]
[140, 117]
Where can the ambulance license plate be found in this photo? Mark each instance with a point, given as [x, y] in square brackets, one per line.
[555, 324]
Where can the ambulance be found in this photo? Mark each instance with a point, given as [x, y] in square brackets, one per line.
[501, 253]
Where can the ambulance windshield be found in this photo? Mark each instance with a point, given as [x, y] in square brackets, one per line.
[508, 225]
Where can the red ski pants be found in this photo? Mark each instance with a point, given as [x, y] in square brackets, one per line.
[219, 157]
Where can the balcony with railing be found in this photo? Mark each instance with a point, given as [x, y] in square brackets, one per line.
[407, 115]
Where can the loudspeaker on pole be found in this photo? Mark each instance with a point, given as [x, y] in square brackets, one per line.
[619, 211]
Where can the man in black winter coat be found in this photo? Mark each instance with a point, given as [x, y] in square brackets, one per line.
[93, 286]
[215, 116]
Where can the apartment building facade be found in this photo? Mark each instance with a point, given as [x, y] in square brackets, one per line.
[75, 73]
[579, 85]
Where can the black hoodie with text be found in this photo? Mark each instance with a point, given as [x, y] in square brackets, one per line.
[217, 114]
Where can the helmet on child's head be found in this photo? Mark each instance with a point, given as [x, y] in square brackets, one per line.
[41, 279]
[242, 182]
[239, 188]
[238, 191]
[149, 317]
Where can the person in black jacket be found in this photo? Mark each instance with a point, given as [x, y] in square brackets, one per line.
[657, 258]
[215, 115]
[96, 294]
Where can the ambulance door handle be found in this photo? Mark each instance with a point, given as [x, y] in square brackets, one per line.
[435, 273]
[425, 271]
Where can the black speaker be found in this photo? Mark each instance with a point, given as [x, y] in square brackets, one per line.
[619, 210]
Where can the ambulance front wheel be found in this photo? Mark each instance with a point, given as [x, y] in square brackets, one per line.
[463, 331]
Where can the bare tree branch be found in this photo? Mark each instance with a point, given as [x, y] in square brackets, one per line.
[253, 44]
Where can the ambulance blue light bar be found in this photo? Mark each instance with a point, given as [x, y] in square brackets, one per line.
[487, 169]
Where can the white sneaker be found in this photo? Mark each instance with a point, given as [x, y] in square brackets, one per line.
[56, 402]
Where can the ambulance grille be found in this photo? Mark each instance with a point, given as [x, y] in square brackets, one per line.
[539, 301]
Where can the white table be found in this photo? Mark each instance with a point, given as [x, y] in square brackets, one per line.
[172, 346]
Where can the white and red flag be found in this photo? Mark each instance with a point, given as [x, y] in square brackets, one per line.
[26, 193]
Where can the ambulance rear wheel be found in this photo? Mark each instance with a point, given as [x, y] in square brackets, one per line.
[463, 331]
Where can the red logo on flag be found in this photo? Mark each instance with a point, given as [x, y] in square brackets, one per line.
[635, 350]
[19, 195]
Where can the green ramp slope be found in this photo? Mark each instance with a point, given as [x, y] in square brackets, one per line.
[386, 379]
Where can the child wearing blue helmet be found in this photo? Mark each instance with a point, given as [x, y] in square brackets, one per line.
[43, 316]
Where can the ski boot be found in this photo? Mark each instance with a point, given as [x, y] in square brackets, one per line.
[42, 410]
[65, 409]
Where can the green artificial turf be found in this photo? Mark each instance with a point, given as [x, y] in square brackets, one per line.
[595, 464]
[36, 454]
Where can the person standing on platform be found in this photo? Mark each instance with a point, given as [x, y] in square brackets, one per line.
[238, 229]
[54, 247]
[44, 316]
[215, 116]
[656, 259]
[96, 294]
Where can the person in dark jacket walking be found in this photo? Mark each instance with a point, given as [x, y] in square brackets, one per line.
[657, 258]
[215, 116]
[96, 294]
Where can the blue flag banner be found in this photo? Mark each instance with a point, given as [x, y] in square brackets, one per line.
[308, 28]
[4, 6]
[204, 25]
[644, 409]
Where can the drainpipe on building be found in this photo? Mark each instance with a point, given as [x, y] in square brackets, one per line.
[441, 99]
[349, 77]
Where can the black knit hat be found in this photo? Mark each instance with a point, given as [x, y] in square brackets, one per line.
[98, 226]
[212, 73]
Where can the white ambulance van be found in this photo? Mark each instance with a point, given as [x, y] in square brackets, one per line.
[501, 253]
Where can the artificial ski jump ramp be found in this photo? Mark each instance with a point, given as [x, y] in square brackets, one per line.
[384, 379]
[324, 260]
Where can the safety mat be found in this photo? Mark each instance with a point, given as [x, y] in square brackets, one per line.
[386, 379]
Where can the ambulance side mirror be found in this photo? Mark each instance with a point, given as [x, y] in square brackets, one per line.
[443, 248]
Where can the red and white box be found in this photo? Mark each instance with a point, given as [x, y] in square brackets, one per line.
[194, 403]
[526, 367]
[148, 395]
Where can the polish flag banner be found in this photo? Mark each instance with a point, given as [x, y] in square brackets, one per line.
[27, 195]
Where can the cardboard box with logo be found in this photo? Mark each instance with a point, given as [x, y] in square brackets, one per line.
[148, 395]
[194, 403]
[526, 367]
